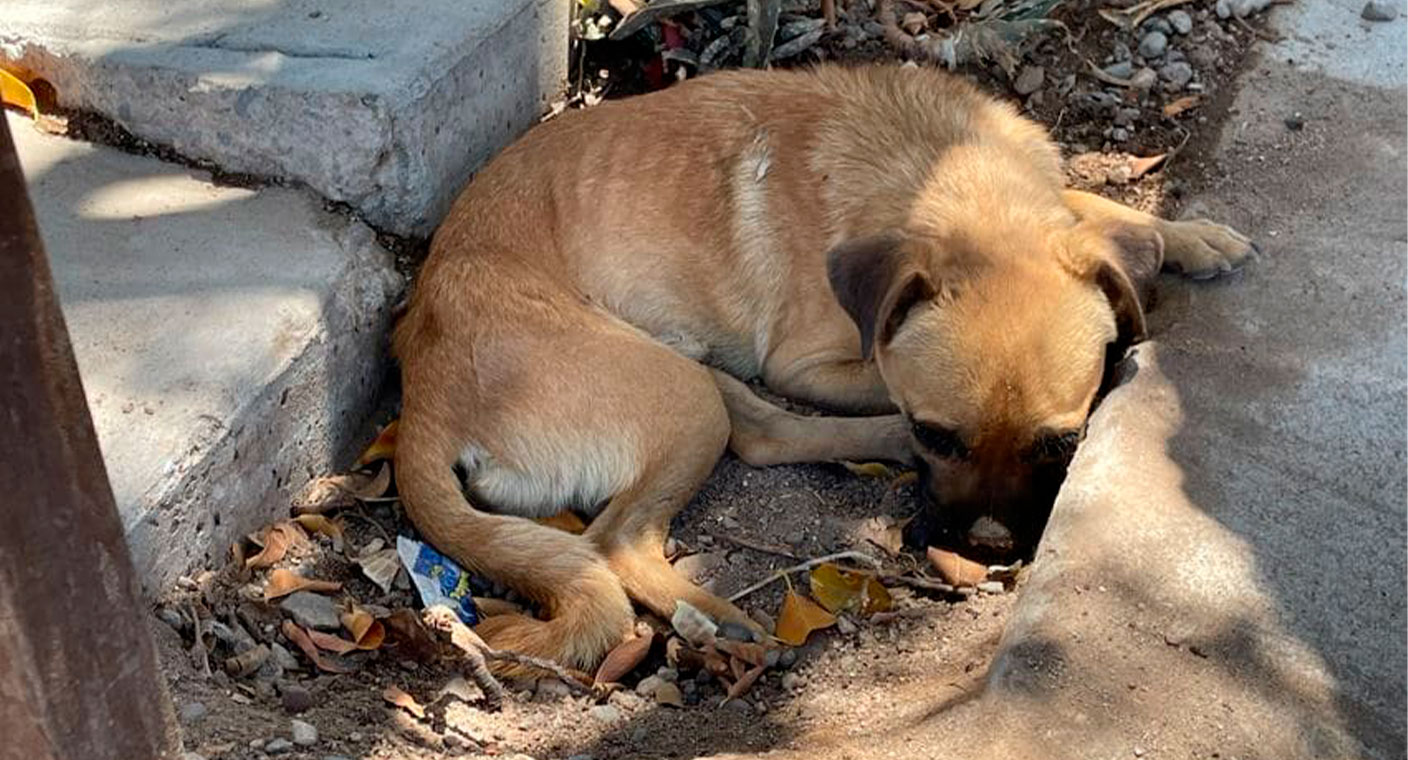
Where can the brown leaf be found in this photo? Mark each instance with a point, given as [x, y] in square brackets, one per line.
[333, 529]
[284, 582]
[1184, 103]
[799, 617]
[914, 23]
[365, 630]
[277, 539]
[340, 491]
[401, 699]
[384, 447]
[744, 683]
[566, 520]
[838, 589]
[1141, 166]
[623, 659]
[300, 637]
[753, 654]
[380, 566]
[331, 643]
[669, 694]
[957, 570]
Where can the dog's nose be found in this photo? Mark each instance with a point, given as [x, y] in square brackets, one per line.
[990, 534]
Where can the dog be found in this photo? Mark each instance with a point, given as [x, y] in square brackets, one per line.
[889, 244]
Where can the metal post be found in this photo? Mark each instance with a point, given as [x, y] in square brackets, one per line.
[78, 672]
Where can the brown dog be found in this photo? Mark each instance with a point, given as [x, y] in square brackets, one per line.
[873, 241]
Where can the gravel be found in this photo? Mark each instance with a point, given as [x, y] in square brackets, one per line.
[1180, 21]
[304, 734]
[192, 712]
[1178, 74]
[295, 698]
[1029, 80]
[1120, 69]
[278, 746]
[1153, 45]
[1379, 10]
[312, 610]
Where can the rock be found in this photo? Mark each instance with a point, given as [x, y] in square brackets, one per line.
[1379, 10]
[729, 522]
[1144, 79]
[550, 690]
[1295, 122]
[172, 618]
[283, 657]
[1153, 45]
[649, 685]
[295, 698]
[1180, 21]
[791, 681]
[736, 631]
[1121, 52]
[668, 674]
[278, 747]
[304, 734]
[1178, 74]
[1203, 56]
[1029, 80]
[996, 587]
[458, 743]
[787, 659]
[312, 610]
[1240, 8]
[1223, 9]
[1125, 117]
[795, 538]
[1156, 24]
[605, 714]
[696, 566]
[739, 706]
[1120, 70]
[845, 625]
[669, 694]
[192, 712]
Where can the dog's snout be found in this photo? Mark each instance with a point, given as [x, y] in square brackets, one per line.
[988, 533]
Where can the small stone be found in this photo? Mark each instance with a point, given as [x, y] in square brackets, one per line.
[995, 587]
[1125, 117]
[1178, 74]
[1153, 45]
[668, 674]
[1295, 122]
[669, 694]
[787, 659]
[1223, 8]
[172, 618]
[649, 685]
[791, 681]
[355, 737]
[256, 744]
[278, 746]
[605, 714]
[283, 657]
[1144, 79]
[1203, 56]
[304, 734]
[192, 712]
[845, 625]
[1156, 24]
[689, 687]
[735, 631]
[1138, 751]
[295, 698]
[795, 538]
[1180, 21]
[312, 610]
[192, 756]
[1121, 52]
[1379, 10]
[1029, 80]
[729, 522]
[1120, 69]
[739, 705]
[550, 690]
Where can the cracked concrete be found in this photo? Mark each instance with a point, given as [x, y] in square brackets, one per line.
[387, 107]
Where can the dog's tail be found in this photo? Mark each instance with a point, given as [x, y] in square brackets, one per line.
[587, 611]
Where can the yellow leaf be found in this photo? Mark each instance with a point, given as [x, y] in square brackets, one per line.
[365, 630]
[276, 540]
[284, 582]
[396, 696]
[799, 617]
[319, 524]
[566, 520]
[14, 92]
[869, 469]
[384, 447]
[837, 589]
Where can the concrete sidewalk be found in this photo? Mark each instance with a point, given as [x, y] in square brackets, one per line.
[230, 341]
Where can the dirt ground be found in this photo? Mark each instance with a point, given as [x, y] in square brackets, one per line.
[746, 524]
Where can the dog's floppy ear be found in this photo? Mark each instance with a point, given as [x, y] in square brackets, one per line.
[877, 282]
[1125, 266]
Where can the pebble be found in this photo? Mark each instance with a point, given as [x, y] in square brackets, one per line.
[739, 705]
[172, 618]
[1160, 25]
[668, 674]
[649, 685]
[1029, 80]
[1124, 117]
[1138, 751]
[192, 712]
[787, 659]
[304, 734]
[1153, 45]
[1203, 56]
[795, 538]
[791, 681]
[1379, 10]
[1180, 21]
[579, 757]
[550, 690]
[1120, 69]
[735, 631]
[1295, 122]
[1121, 52]
[605, 714]
[996, 587]
[278, 746]
[295, 698]
[730, 522]
[1144, 79]
[845, 625]
[1178, 74]
[312, 610]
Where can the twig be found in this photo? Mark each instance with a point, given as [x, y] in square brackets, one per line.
[928, 584]
[754, 545]
[443, 619]
[573, 680]
[780, 574]
[198, 650]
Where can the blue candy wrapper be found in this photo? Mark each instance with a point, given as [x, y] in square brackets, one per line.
[438, 579]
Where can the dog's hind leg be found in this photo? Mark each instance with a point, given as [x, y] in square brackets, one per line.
[1197, 248]
[763, 434]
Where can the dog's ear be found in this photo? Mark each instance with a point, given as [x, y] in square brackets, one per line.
[1123, 260]
[877, 282]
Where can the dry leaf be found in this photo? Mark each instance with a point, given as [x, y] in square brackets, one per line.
[566, 520]
[869, 469]
[410, 636]
[365, 630]
[914, 23]
[401, 699]
[623, 659]
[799, 617]
[693, 625]
[384, 447]
[1141, 166]
[284, 582]
[331, 643]
[276, 540]
[14, 92]
[247, 662]
[744, 683]
[339, 491]
[381, 567]
[300, 637]
[753, 654]
[669, 694]
[957, 570]
[333, 529]
[1182, 104]
[837, 589]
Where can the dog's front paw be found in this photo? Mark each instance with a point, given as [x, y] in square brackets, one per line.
[1202, 249]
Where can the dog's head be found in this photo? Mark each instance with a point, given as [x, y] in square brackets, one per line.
[995, 358]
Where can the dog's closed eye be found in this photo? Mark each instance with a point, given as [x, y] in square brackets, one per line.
[1055, 447]
[940, 441]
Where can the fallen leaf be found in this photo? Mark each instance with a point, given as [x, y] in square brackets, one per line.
[384, 447]
[401, 699]
[365, 629]
[14, 92]
[956, 569]
[753, 654]
[300, 638]
[566, 520]
[1141, 166]
[340, 491]
[744, 683]
[333, 529]
[410, 636]
[276, 540]
[623, 659]
[869, 469]
[837, 590]
[331, 643]
[799, 617]
[378, 486]
[693, 625]
[380, 567]
[1184, 103]
[914, 23]
[284, 582]
[883, 532]
[669, 694]
[247, 662]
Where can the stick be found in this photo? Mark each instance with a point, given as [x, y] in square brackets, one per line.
[442, 619]
[198, 651]
[780, 574]
[755, 545]
[927, 584]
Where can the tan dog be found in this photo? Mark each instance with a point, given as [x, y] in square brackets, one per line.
[877, 240]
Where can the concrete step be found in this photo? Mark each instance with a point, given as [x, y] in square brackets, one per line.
[385, 106]
[231, 341]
